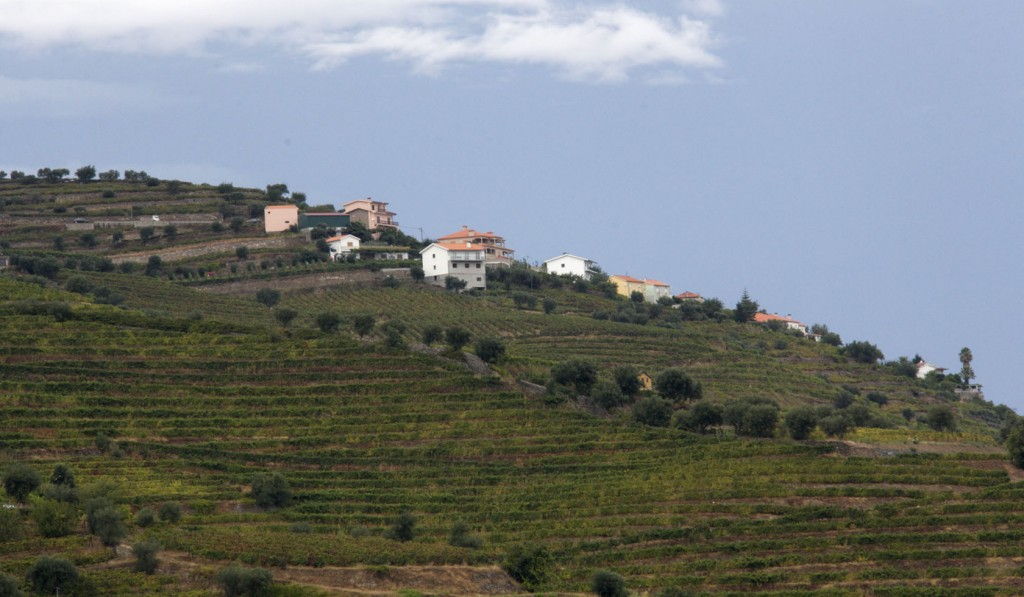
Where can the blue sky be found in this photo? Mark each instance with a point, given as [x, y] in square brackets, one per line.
[855, 163]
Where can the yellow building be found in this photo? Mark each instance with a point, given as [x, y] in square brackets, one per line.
[626, 285]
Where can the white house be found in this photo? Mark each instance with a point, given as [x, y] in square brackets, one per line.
[788, 321]
[342, 245]
[655, 289]
[460, 260]
[571, 265]
[924, 368]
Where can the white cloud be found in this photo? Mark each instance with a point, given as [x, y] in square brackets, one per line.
[594, 42]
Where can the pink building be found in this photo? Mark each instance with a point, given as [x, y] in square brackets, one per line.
[278, 218]
[370, 213]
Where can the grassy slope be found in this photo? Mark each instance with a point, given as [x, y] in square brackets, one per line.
[362, 433]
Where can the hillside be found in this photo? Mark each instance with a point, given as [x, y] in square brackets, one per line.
[199, 391]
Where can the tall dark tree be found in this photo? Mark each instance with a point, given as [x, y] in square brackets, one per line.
[85, 173]
[966, 371]
[745, 309]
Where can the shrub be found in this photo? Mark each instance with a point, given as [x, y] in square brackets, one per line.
[145, 517]
[941, 418]
[363, 324]
[863, 352]
[53, 518]
[801, 421]
[78, 284]
[60, 493]
[549, 305]
[393, 331]
[145, 556]
[241, 252]
[416, 273]
[835, 425]
[700, 417]
[236, 225]
[653, 411]
[285, 316]
[529, 565]
[524, 300]
[432, 334]
[461, 537]
[761, 420]
[154, 265]
[1015, 443]
[20, 480]
[245, 582]
[608, 584]
[328, 322]
[491, 350]
[268, 296]
[608, 395]
[11, 527]
[9, 587]
[628, 379]
[102, 442]
[843, 399]
[878, 398]
[674, 384]
[62, 475]
[403, 528]
[271, 491]
[451, 283]
[108, 524]
[170, 512]
[217, 227]
[581, 375]
[456, 337]
[52, 575]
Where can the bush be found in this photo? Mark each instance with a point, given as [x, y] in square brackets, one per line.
[78, 284]
[653, 411]
[581, 375]
[245, 582]
[761, 420]
[801, 421]
[835, 425]
[628, 379]
[52, 575]
[145, 556]
[145, 517]
[154, 265]
[393, 331]
[457, 337]
[863, 352]
[363, 324]
[878, 398]
[529, 565]
[268, 296]
[674, 384]
[491, 350]
[461, 537]
[608, 395]
[271, 491]
[549, 305]
[524, 300]
[62, 475]
[170, 512]
[60, 493]
[241, 252]
[11, 527]
[285, 316]
[328, 322]
[432, 334]
[608, 584]
[103, 442]
[53, 518]
[416, 273]
[843, 399]
[107, 523]
[1014, 443]
[700, 417]
[404, 527]
[20, 480]
[9, 587]
[941, 418]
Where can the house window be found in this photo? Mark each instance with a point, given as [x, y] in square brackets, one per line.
[478, 279]
[563, 265]
[478, 266]
[435, 269]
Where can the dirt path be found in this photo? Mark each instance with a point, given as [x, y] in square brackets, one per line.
[216, 246]
[355, 581]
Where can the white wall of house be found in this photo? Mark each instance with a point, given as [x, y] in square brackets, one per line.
[652, 293]
[344, 245]
[435, 261]
[568, 265]
[440, 263]
[924, 368]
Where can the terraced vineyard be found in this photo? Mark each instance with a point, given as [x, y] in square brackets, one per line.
[362, 433]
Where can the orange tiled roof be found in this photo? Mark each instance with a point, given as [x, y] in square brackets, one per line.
[655, 283]
[281, 207]
[630, 279]
[688, 295]
[766, 317]
[334, 238]
[467, 232]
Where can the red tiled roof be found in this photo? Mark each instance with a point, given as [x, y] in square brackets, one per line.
[688, 295]
[334, 238]
[630, 279]
[462, 246]
[655, 283]
[467, 232]
[766, 317]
